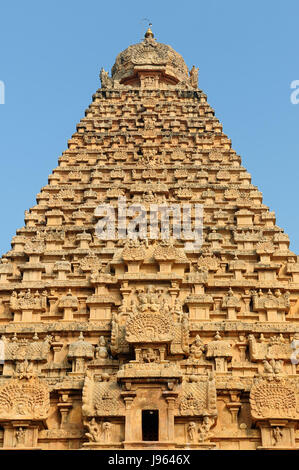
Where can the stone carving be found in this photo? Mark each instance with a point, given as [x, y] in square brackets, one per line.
[221, 351]
[219, 347]
[101, 349]
[55, 235]
[24, 399]
[184, 193]
[265, 247]
[179, 174]
[106, 81]
[80, 351]
[150, 53]
[202, 432]
[134, 250]
[271, 399]
[191, 431]
[20, 349]
[118, 336]
[272, 366]
[231, 194]
[146, 327]
[98, 432]
[28, 300]
[178, 310]
[75, 176]
[20, 434]
[277, 435]
[117, 174]
[204, 428]
[36, 245]
[276, 347]
[277, 300]
[149, 157]
[152, 174]
[166, 250]
[107, 431]
[91, 263]
[150, 320]
[230, 300]
[149, 124]
[190, 405]
[207, 262]
[197, 348]
[94, 431]
[115, 192]
[149, 187]
[102, 398]
[24, 369]
[194, 76]
[215, 155]
[198, 397]
[150, 355]
[68, 301]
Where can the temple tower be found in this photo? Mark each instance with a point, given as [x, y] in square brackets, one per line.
[118, 334]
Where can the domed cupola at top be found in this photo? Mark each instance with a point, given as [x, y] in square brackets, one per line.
[150, 64]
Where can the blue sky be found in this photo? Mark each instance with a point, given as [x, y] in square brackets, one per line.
[52, 52]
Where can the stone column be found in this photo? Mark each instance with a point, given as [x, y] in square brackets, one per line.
[128, 398]
[64, 405]
[170, 398]
[234, 405]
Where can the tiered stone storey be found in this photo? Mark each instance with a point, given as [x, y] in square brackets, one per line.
[122, 344]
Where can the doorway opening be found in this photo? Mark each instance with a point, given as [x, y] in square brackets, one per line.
[150, 425]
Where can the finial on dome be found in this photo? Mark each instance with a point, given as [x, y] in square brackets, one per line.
[149, 33]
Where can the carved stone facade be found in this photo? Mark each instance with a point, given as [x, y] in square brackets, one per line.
[136, 344]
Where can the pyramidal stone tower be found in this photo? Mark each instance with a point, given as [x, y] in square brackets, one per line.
[171, 326]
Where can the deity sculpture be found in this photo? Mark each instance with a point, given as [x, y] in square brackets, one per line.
[191, 431]
[101, 349]
[197, 348]
[93, 433]
[194, 76]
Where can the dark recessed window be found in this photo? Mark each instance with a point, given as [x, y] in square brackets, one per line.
[150, 425]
